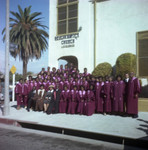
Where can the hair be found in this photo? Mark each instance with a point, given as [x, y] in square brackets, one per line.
[118, 77]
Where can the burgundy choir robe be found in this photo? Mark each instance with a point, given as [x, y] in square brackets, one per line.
[118, 96]
[99, 97]
[18, 92]
[89, 106]
[72, 101]
[25, 93]
[61, 85]
[81, 100]
[106, 90]
[132, 101]
[30, 85]
[63, 101]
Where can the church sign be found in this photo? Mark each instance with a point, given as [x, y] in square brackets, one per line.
[67, 40]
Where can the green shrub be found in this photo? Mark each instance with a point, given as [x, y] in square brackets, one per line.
[102, 69]
[126, 63]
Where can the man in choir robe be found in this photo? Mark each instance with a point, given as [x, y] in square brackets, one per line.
[72, 105]
[18, 92]
[106, 91]
[89, 106]
[126, 80]
[40, 98]
[81, 100]
[134, 89]
[85, 73]
[118, 95]
[64, 100]
[30, 84]
[99, 96]
[25, 92]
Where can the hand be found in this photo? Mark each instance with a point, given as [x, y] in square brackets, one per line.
[136, 95]
[104, 96]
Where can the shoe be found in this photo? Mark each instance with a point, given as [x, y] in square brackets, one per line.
[28, 109]
[135, 116]
[18, 108]
[104, 114]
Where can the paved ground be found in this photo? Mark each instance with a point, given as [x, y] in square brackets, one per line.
[110, 124]
[15, 138]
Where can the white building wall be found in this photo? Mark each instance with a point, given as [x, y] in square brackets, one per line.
[118, 21]
[83, 49]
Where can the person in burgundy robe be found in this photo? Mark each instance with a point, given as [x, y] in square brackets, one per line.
[30, 84]
[61, 84]
[106, 91]
[64, 100]
[89, 106]
[85, 73]
[99, 97]
[72, 105]
[46, 85]
[25, 92]
[81, 100]
[18, 92]
[134, 89]
[85, 84]
[118, 95]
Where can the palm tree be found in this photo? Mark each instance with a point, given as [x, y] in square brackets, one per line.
[28, 34]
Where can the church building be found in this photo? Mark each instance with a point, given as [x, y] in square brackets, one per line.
[89, 32]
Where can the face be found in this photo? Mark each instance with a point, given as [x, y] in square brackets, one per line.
[65, 88]
[82, 88]
[119, 79]
[75, 88]
[131, 74]
[100, 79]
[110, 79]
[91, 87]
[21, 81]
[126, 75]
[42, 87]
[85, 69]
[50, 88]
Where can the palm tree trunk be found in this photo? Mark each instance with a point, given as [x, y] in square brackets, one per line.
[24, 69]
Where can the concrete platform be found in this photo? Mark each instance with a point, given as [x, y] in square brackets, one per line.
[117, 129]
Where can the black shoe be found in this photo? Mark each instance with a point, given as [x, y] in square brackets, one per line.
[135, 116]
[28, 109]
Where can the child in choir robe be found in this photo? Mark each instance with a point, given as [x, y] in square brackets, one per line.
[68, 84]
[72, 105]
[18, 92]
[89, 106]
[134, 89]
[106, 90]
[99, 96]
[25, 92]
[48, 70]
[44, 76]
[61, 68]
[40, 98]
[64, 100]
[66, 68]
[49, 96]
[118, 95]
[81, 100]
[93, 81]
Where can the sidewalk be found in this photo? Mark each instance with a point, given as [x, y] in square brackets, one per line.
[107, 125]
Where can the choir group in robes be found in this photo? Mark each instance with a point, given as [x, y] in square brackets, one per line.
[69, 91]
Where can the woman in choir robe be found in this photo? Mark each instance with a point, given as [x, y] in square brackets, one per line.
[25, 93]
[85, 84]
[99, 96]
[61, 84]
[40, 98]
[81, 100]
[18, 92]
[46, 85]
[72, 105]
[134, 89]
[118, 95]
[106, 91]
[89, 106]
[64, 100]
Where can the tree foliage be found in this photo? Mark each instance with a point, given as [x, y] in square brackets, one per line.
[102, 69]
[126, 63]
[28, 34]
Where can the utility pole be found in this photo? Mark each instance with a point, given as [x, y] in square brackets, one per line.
[6, 100]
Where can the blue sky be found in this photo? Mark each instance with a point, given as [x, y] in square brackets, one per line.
[37, 6]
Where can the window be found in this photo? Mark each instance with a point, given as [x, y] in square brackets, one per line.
[67, 21]
[142, 54]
